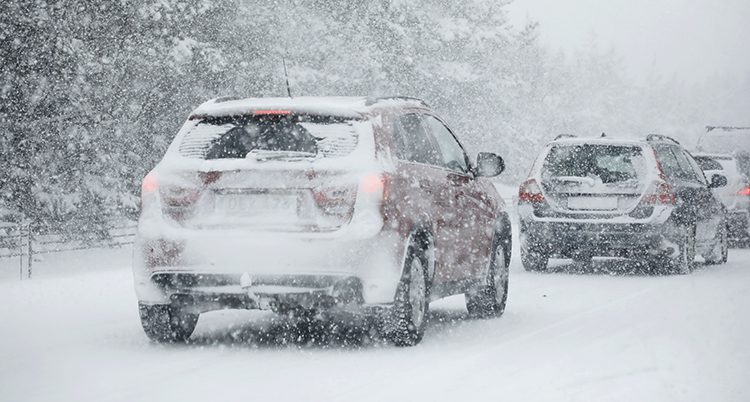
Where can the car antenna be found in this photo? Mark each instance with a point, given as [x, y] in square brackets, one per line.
[286, 75]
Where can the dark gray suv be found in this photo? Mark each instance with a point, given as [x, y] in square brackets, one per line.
[646, 199]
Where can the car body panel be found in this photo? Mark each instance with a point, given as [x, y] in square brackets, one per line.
[262, 253]
[622, 231]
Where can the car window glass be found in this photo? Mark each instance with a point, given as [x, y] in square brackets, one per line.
[687, 168]
[671, 165]
[696, 168]
[608, 163]
[238, 137]
[413, 143]
[453, 156]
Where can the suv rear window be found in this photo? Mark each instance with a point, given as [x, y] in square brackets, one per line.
[277, 136]
[609, 163]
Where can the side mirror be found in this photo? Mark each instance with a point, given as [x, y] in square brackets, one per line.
[717, 181]
[489, 164]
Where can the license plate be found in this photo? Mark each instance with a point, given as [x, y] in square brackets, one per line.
[255, 204]
[593, 203]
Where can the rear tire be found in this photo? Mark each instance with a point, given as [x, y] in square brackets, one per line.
[407, 320]
[584, 260]
[166, 324]
[490, 298]
[682, 263]
[720, 251]
[533, 258]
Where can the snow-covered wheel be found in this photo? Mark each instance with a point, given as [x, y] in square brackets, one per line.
[584, 260]
[490, 298]
[683, 260]
[720, 251]
[407, 319]
[533, 258]
[167, 324]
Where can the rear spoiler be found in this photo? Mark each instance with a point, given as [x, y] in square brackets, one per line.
[727, 128]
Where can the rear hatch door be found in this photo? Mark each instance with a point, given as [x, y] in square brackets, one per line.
[280, 171]
[594, 178]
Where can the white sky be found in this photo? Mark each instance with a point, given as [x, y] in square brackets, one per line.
[692, 39]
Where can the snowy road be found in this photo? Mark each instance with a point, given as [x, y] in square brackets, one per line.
[72, 333]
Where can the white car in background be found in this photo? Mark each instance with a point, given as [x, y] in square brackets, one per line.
[735, 195]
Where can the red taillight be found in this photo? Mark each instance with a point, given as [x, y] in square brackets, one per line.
[661, 194]
[662, 176]
[267, 112]
[373, 183]
[529, 191]
[179, 196]
[150, 184]
[744, 191]
[209, 177]
[335, 200]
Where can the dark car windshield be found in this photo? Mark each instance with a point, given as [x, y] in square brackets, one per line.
[610, 163]
[235, 137]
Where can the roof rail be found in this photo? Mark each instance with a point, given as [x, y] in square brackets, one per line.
[226, 98]
[373, 100]
[725, 128]
[560, 136]
[660, 137]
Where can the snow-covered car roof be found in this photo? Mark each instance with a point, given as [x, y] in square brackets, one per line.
[354, 107]
[713, 155]
[724, 139]
[597, 140]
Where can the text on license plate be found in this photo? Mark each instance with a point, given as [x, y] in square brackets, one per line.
[255, 204]
[593, 203]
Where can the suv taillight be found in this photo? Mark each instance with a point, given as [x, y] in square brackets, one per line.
[660, 193]
[177, 201]
[530, 192]
[179, 197]
[744, 191]
[340, 200]
[337, 201]
[150, 184]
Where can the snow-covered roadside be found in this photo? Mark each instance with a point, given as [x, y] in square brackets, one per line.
[565, 336]
[66, 263]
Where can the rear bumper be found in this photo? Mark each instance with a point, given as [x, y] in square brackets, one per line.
[566, 239]
[254, 270]
[206, 292]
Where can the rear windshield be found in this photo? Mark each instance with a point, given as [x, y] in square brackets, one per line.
[708, 163]
[272, 136]
[609, 163]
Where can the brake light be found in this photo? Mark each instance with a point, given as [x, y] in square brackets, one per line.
[373, 183]
[660, 194]
[209, 177]
[662, 176]
[179, 196]
[150, 184]
[271, 112]
[335, 200]
[529, 191]
[744, 191]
